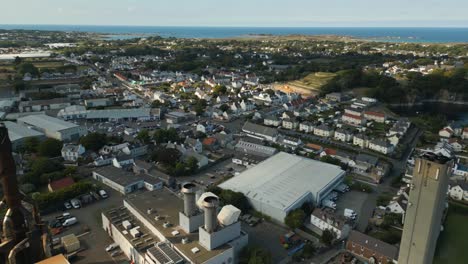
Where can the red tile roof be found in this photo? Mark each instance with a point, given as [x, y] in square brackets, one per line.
[209, 141]
[60, 184]
[352, 116]
[330, 152]
[314, 146]
[374, 113]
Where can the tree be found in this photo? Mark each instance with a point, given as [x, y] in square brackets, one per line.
[295, 219]
[255, 255]
[224, 107]
[331, 160]
[50, 148]
[31, 144]
[167, 156]
[166, 135]
[143, 136]
[309, 250]
[219, 89]
[192, 164]
[94, 141]
[327, 237]
[237, 199]
[200, 106]
[18, 60]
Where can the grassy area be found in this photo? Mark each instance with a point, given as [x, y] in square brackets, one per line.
[313, 81]
[451, 246]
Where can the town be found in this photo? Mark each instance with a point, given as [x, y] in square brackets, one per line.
[269, 150]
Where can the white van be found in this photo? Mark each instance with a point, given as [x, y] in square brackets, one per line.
[103, 194]
[70, 221]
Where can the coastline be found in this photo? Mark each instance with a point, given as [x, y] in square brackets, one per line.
[426, 101]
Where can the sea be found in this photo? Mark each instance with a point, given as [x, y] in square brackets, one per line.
[385, 34]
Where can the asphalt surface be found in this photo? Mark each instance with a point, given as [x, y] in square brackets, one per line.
[96, 240]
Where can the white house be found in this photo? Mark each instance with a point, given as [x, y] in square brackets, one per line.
[375, 116]
[289, 123]
[343, 135]
[446, 132]
[122, 160]
[382, 146]
[465, 133]
[361, 140]
[327, 219]
[306, 127]
[456, 145]
[71, 152]
[351, 119]
[271, 121]
[247, 106]
[460, 170]
[323, 131]
[459, 190]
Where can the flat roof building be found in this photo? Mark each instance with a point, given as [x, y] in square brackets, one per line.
[53, 127]
[19, 133]
[160, 236]
[284, 182]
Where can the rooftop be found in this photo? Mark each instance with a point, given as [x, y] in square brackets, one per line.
[46, 122]
[283, 179]
[167, 205]
[17, 131]
[120, 176]
[373, 244]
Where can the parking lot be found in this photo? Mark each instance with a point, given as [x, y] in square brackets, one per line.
[96, 240]
[215, 174]
[360, 202]
[267, 236]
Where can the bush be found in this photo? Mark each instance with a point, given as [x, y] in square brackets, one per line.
[295, 219]
[327, 237]
[54, 199]
[50, 148]
[255, 255]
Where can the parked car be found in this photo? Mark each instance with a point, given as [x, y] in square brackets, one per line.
[70, 222]
[67, 205]
[103, 194]
[76, 203]
[112, 247]
[55, 223]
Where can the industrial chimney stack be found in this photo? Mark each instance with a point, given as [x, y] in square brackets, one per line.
[210, 204]
[189, 191]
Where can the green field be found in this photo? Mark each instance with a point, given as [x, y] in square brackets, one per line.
[313, 81]
[451, 246]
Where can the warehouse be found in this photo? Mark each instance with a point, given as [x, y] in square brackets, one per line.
[53, 127]
[19, 133]
[284, 182]
[120, 180]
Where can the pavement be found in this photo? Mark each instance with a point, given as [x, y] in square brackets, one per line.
[362, 203]
[267, 235]
[96, 240]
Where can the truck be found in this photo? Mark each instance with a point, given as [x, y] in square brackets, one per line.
[342, 188]
[349, 213]
[329, 204]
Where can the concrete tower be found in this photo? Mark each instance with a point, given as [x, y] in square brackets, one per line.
[191, 218]
[427, 200]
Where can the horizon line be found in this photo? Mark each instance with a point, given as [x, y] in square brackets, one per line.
[235, 26]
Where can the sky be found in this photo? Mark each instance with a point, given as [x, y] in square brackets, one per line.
[258, 13]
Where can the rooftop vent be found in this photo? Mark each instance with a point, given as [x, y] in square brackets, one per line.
[195, 250]
[167, 224]
[149, 211]
[185, 240]
[175, 233]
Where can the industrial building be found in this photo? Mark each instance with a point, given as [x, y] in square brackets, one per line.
[118, 179]
[284, 182]
[160, 227]
[426, 204]
[19, 133]
[123, 114]
[53, 127]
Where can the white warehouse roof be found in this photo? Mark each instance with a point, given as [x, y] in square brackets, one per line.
[284, 179]
[46, 122]
[17, 131]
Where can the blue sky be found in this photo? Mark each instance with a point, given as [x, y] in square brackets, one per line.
[303, 13]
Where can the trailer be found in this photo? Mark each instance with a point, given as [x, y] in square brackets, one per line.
[342, 188]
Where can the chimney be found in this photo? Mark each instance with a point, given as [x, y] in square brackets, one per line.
[210, 203]
[189, 190]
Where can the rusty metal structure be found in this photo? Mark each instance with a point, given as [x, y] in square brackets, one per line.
[24, 237]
